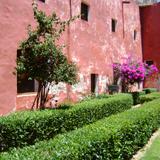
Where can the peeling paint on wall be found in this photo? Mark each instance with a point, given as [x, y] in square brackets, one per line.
[90, 44]
[103, 82]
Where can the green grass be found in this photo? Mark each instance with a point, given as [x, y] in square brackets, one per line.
[153, 153]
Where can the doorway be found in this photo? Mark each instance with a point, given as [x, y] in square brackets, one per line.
[94, 83]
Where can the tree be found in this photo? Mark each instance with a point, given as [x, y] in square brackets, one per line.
[42, 58]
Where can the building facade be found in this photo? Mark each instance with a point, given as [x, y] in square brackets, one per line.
[150, 16]
[146, 2]
[108, 32]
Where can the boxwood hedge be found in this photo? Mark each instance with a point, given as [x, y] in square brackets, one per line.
[116, 137]
[149, 97]
[136, 96]
[150, 90]
[26, 128]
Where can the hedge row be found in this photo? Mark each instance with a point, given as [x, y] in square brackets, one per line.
[26, 128]
[150, 90]
[116, 137]
[93, 96]
[149, 97]
[136, 97]
[68, 105]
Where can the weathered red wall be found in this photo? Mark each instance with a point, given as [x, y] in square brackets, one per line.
[150, 16]
[92, 45]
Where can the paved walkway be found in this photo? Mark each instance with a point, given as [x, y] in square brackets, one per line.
[142, 151]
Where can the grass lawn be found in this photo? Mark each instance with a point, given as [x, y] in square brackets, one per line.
[153, 153]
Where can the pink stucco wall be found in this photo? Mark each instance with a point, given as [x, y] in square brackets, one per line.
[150, 16]
[92, 45]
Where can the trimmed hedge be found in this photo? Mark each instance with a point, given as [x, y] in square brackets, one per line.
[149, 97]
[93, 96]
[150, 90]
[26, 128]
[136, 97]
[115, 137]
[68, 105]
[141, 93]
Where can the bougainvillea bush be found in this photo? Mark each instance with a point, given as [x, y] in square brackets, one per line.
[132, 72]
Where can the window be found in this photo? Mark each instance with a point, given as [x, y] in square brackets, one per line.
[42, 1]
[150, 63]
[113, 24]
[23, 84]
[135, 35]
[84, 11]
[94, 80]
[126, 2]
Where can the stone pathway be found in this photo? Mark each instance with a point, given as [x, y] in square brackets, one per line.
[136, 106]
[142, 151]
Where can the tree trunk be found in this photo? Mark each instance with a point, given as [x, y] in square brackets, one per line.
[41, 97]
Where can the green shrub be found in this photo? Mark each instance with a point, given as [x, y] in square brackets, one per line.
[93, 96]
[149, 97]
[116, 137]
[65, 105]
[136, 97]
[26, 128]
[141, 93]
[68, 105]
[150, 90]
[104, 95]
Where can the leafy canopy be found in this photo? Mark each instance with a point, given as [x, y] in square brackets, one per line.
[41, 57]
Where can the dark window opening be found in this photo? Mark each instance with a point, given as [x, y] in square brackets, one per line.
[114, 23]
[94, 78]
[135, 35]
[149, 63]
[23, 83]
[42, 1]
[84, 11]
[126, 2]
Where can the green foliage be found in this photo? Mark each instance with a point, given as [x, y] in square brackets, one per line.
[42, 58]
[115, 137]
[136, 97]
[141, 97]
[150, 90]
[26, 128]
[149, 97]
[141, 93]
[93, 96]
[90, 97]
